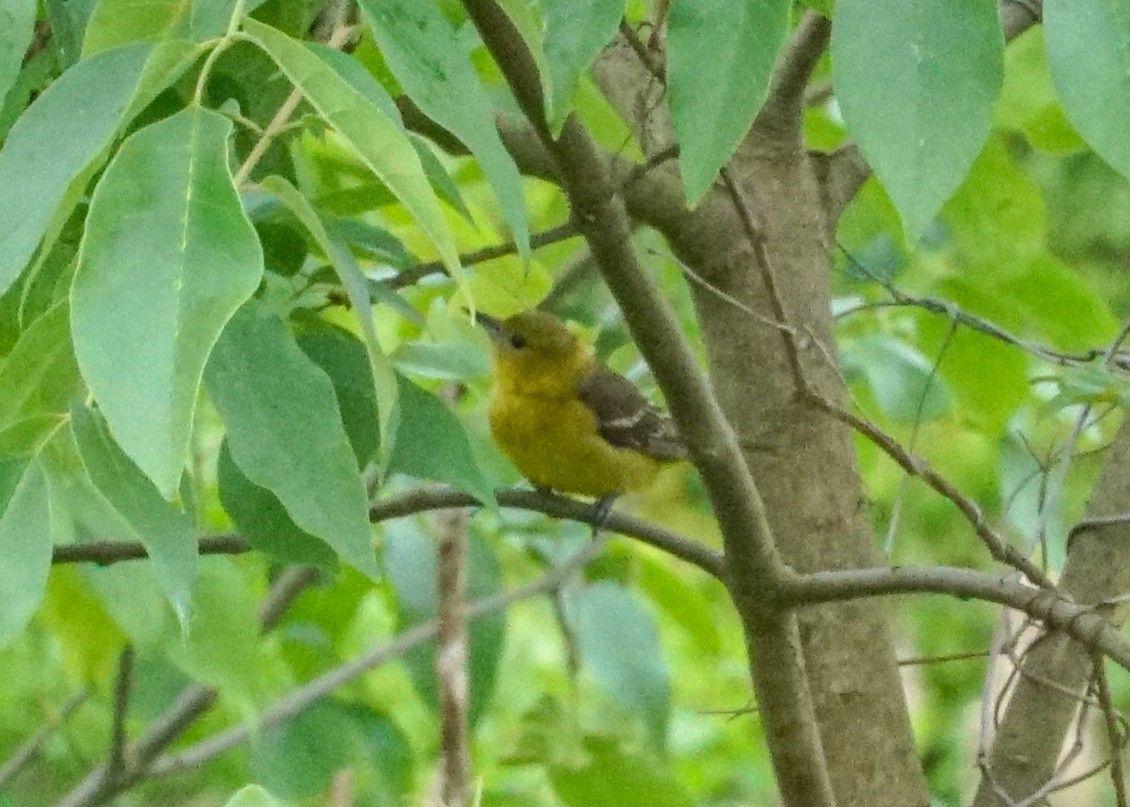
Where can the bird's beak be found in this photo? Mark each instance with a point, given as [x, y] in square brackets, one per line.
[492, 326]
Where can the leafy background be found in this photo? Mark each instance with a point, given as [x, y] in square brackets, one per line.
[161, 235]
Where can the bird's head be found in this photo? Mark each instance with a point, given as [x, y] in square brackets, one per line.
[533, 345]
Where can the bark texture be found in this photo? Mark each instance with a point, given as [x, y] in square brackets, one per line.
[803, 461]
[1057, 669]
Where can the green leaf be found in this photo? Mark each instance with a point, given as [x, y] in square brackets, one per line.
[17, 19]
[53, 144]
[619, 641]
[342, 357]
[916, 82]
[220, 647]
[39, 374]
[167, 257]
[122, 22]
[298, 758]
[900, 377]
[262, 519]
[433, 64]
[356, 286]
[253, 796]
[30, 435]
[285, 432]
[1088, 43]
[25, 542]
[431, 444]
[720, 57]
[167, 534]
[375, 137]
[410, 559]
[613, 777]
[575, 32]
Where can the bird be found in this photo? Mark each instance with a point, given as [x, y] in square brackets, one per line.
[567, 422]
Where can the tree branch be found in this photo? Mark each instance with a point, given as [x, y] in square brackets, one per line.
[26, 752]
[103, 783]
[290, 705]
[784, 106]
[425, 498]
[751, 557]
[1087, 624]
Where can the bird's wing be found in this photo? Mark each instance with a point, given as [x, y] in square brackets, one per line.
[626, 419]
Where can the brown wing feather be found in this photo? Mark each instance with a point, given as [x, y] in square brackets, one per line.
[626, 419]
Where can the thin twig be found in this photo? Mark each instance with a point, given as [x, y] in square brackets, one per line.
[117, 759]
[101, 784]
[1115, 734]
[914, 465]
[282, 118]
[301, 698]
[414, 274]
[451, 659]
[26, 752]
[429, 497]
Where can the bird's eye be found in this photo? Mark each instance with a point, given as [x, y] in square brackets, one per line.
[517, 341]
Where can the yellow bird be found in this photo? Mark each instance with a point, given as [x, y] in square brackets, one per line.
[565, 420]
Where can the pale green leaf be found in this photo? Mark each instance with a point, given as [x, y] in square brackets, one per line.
[356, 286]
[253, 796]
[434, 66]
[167, 257]
[720, 57]
[1088, 44]
[410, 560]
[115, 23]
[619, 641]
[17, 18]
[916, 82]
[616, 777]
[54, 143]
[903, 382]
[575, 32]
[167, 534]
[25, 542]
[376, 138]
[285, 432]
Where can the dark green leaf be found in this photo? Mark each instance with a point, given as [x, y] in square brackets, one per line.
[431, 444]
[25, 542]
[167, 257]
[298, 758]
[51, 147]
[342, 357]
[286, 434]
[262, 519]
[917, 82]
[384, 381]
[619, 642]
[167, 534]
[720, 56]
